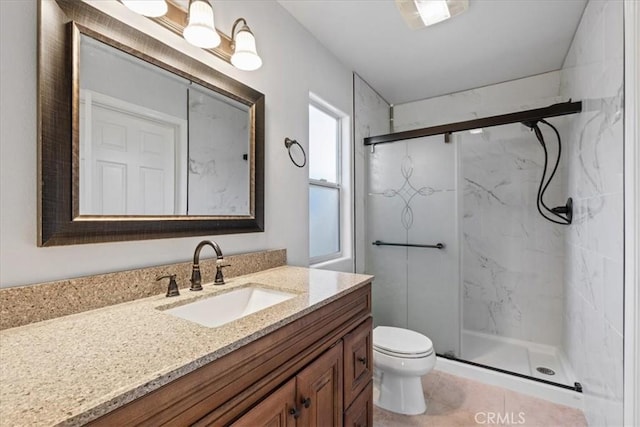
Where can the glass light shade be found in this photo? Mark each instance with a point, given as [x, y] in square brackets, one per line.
[433, 11]
[151, 8]
[245, 57]
[200, 30]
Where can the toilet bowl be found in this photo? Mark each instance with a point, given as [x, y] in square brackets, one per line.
[400, 358]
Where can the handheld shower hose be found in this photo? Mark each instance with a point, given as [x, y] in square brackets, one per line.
[560, 214]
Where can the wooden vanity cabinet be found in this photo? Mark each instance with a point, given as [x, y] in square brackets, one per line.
[313, 398]
[268, 381]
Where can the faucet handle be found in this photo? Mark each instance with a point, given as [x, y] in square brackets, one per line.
[219, 280]
[172, 291]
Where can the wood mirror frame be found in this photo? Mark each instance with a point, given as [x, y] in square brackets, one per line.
[60, 24]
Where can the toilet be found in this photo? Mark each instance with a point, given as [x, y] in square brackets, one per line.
[400, 358]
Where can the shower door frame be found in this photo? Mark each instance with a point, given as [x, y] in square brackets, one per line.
[555, 110]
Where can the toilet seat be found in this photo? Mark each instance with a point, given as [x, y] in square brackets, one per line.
[399, 342]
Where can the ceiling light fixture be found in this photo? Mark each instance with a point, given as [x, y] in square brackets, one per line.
[197, 25]
[150, 8]
[433, 11]
[422, 13]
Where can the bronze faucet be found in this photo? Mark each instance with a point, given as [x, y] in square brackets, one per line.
[196, 279]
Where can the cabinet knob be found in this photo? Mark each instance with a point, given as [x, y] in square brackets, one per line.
[306, 402]
[295, 412]
[362, 360]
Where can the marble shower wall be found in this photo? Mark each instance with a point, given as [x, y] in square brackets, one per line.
[371, 115]
[512, 257]
[593, 73]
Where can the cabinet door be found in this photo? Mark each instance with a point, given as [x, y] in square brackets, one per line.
[360, 413]
[358, 360]
[320, 390]
[277, 410]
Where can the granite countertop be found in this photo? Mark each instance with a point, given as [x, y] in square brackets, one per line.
[73, 369]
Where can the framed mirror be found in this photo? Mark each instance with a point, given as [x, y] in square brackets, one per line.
[137, 140]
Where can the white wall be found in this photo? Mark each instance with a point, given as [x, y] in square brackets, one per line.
[294, 65]
[111, 72]
[593, 72]
[523, 94]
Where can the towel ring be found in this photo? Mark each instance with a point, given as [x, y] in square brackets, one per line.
[291, 143]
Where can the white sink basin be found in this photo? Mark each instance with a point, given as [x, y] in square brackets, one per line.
[224, 308]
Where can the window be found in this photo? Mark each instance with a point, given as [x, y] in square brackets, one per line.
[325, 184]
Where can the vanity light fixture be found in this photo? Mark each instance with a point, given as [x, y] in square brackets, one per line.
[423, 13]
[245, 57]
[201, 30]
[150, 8]
[197, 25]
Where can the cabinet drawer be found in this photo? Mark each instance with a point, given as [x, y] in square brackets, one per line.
[358, 360]
[360, 413]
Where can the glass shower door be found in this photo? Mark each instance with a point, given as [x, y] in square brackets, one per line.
[412, 200]
[513, 259]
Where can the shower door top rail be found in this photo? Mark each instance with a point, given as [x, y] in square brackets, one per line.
[410, 245]
[554, 110]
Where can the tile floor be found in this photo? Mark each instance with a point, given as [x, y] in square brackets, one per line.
[455, 401]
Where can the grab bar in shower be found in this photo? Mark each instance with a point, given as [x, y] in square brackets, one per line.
[411, 245]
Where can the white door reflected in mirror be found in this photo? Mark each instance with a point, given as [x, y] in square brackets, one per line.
[131, 159]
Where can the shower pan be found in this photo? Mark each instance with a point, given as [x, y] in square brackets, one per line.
[460, 241]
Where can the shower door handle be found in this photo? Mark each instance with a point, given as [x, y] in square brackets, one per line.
[408, 245]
